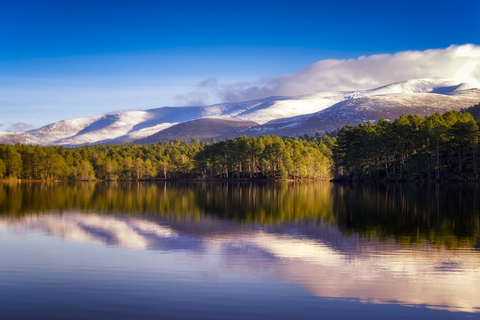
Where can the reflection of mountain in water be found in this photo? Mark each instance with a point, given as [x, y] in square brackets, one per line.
[317, 257]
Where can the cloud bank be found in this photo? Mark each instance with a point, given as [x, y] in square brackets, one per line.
[19, 127]
[366, 72]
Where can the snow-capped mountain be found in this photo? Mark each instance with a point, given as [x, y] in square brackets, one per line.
[389, 104]
[274, 115]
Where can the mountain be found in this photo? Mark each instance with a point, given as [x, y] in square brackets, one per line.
[204, 129]
[363, 109]
[290, 116]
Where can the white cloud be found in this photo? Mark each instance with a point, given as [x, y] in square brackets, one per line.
[19, 127]
[193, 98]
[201, 95]
[208, 83]
[366, 72]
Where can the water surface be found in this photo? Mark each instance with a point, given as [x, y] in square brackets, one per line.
[132, 250]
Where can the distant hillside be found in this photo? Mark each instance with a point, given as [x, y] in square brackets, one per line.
[371, 109]
[205, 129]
[290, 116]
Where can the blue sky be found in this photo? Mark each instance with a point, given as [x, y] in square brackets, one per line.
[65, 59]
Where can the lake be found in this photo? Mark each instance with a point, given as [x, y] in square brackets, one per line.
[239, 250]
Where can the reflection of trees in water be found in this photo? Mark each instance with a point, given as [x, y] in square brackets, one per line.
[241, 201]
[441, 214]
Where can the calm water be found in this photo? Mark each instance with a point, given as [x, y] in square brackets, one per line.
[239, 251]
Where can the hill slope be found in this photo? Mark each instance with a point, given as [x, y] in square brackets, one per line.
[291, 116]
[205, 129]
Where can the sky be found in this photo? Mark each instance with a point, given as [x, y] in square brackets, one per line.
[68, 59]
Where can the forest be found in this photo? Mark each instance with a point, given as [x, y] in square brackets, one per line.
[410, 148]
[437, 148]
[265, 157]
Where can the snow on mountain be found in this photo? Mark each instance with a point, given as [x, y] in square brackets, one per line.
[427, 85]
[370, 108]
[275, 115]
[308, 104]
[88, 130]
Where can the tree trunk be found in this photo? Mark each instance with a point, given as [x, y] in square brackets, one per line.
[437, 167]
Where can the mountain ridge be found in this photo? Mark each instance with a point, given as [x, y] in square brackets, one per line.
[279, 115]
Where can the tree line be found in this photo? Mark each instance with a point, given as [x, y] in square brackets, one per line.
[440, 147]
[238, 158]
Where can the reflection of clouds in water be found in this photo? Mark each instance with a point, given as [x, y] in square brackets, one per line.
[371, 279]
[132, 233]
[286, 247]
[326, 265]
[394, 273]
